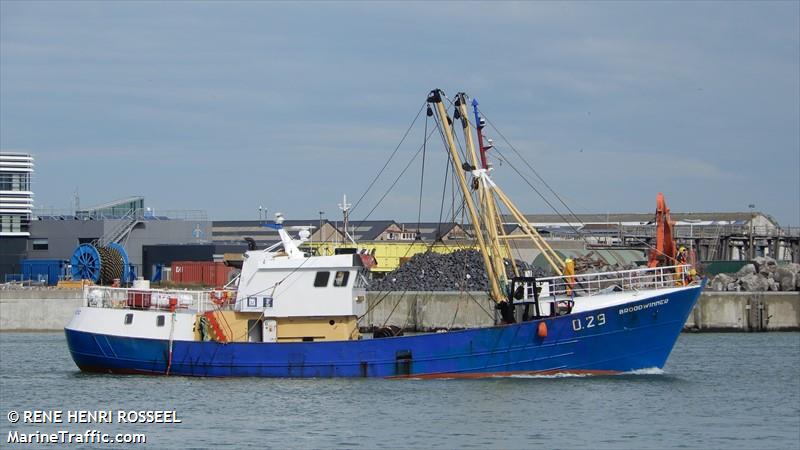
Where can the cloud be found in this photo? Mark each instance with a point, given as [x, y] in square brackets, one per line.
[299, 103]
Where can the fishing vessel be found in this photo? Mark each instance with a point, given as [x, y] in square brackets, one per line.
[295, 314]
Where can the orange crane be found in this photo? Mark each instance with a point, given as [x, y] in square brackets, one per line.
[665, 252]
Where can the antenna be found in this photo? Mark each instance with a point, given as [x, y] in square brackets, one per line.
[76, 200]
[345, 207]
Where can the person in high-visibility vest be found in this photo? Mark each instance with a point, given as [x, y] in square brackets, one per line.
[682, 255]
[681, 260]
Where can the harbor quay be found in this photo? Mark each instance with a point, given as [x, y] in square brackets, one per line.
[48, 309]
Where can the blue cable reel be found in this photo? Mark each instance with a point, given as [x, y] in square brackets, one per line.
[85, 263]
[125, 276]
[101, 265]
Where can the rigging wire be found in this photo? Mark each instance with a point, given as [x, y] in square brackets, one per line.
[506, 160]
[380, 172]
[502, 136]
[444, 191]
[577, 232]
[422, 180]
[547, 185]
[394, 183]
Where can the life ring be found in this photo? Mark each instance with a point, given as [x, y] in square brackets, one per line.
[219, 299]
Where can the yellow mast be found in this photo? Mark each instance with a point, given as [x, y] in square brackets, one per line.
[435, 97]
[485, 195]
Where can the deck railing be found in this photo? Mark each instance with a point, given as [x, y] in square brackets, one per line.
[185, 300]
[622, 280]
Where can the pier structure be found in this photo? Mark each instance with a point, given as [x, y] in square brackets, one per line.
[714, 236]
[725, 242]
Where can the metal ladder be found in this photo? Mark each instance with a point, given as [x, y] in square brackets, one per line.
[121, 231]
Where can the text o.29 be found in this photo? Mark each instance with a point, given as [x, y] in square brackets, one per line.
[588, 322]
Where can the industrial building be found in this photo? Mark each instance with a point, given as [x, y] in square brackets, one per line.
[56, 235]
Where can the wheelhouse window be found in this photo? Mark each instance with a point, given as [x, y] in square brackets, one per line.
[160, 320]
[321, 280]
[341, 278]
[128, 319]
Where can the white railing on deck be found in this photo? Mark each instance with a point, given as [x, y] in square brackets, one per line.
[623, 280]
[110, 297]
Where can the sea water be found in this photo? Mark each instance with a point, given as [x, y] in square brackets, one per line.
[717, 391]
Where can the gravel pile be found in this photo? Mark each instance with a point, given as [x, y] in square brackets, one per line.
[593, 263]
[459, 270]
[763, 275]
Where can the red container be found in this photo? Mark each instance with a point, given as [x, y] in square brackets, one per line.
[189, 272]
[222, 273]
[201, 273]
[138, 299]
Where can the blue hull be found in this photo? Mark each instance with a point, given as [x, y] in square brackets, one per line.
[617, 339]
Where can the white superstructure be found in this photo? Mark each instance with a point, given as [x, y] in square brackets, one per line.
[288, 283]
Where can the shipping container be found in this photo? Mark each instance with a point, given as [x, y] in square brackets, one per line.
[166, 254]
[223, 274]
[49, 271]
[200, 273]
[188, 272]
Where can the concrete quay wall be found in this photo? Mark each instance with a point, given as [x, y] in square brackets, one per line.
[746, 311]
[42, 309]
[38, 309]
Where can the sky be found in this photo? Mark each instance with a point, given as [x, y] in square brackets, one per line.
[226, 107]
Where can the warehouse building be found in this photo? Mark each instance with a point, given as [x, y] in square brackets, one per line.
[54, 235]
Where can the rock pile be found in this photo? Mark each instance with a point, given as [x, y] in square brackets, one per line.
[459, 270]
[763, 275]
[593, 263]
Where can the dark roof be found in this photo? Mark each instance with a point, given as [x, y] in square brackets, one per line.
[368, 230]
[431, 231]
[234, 231]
